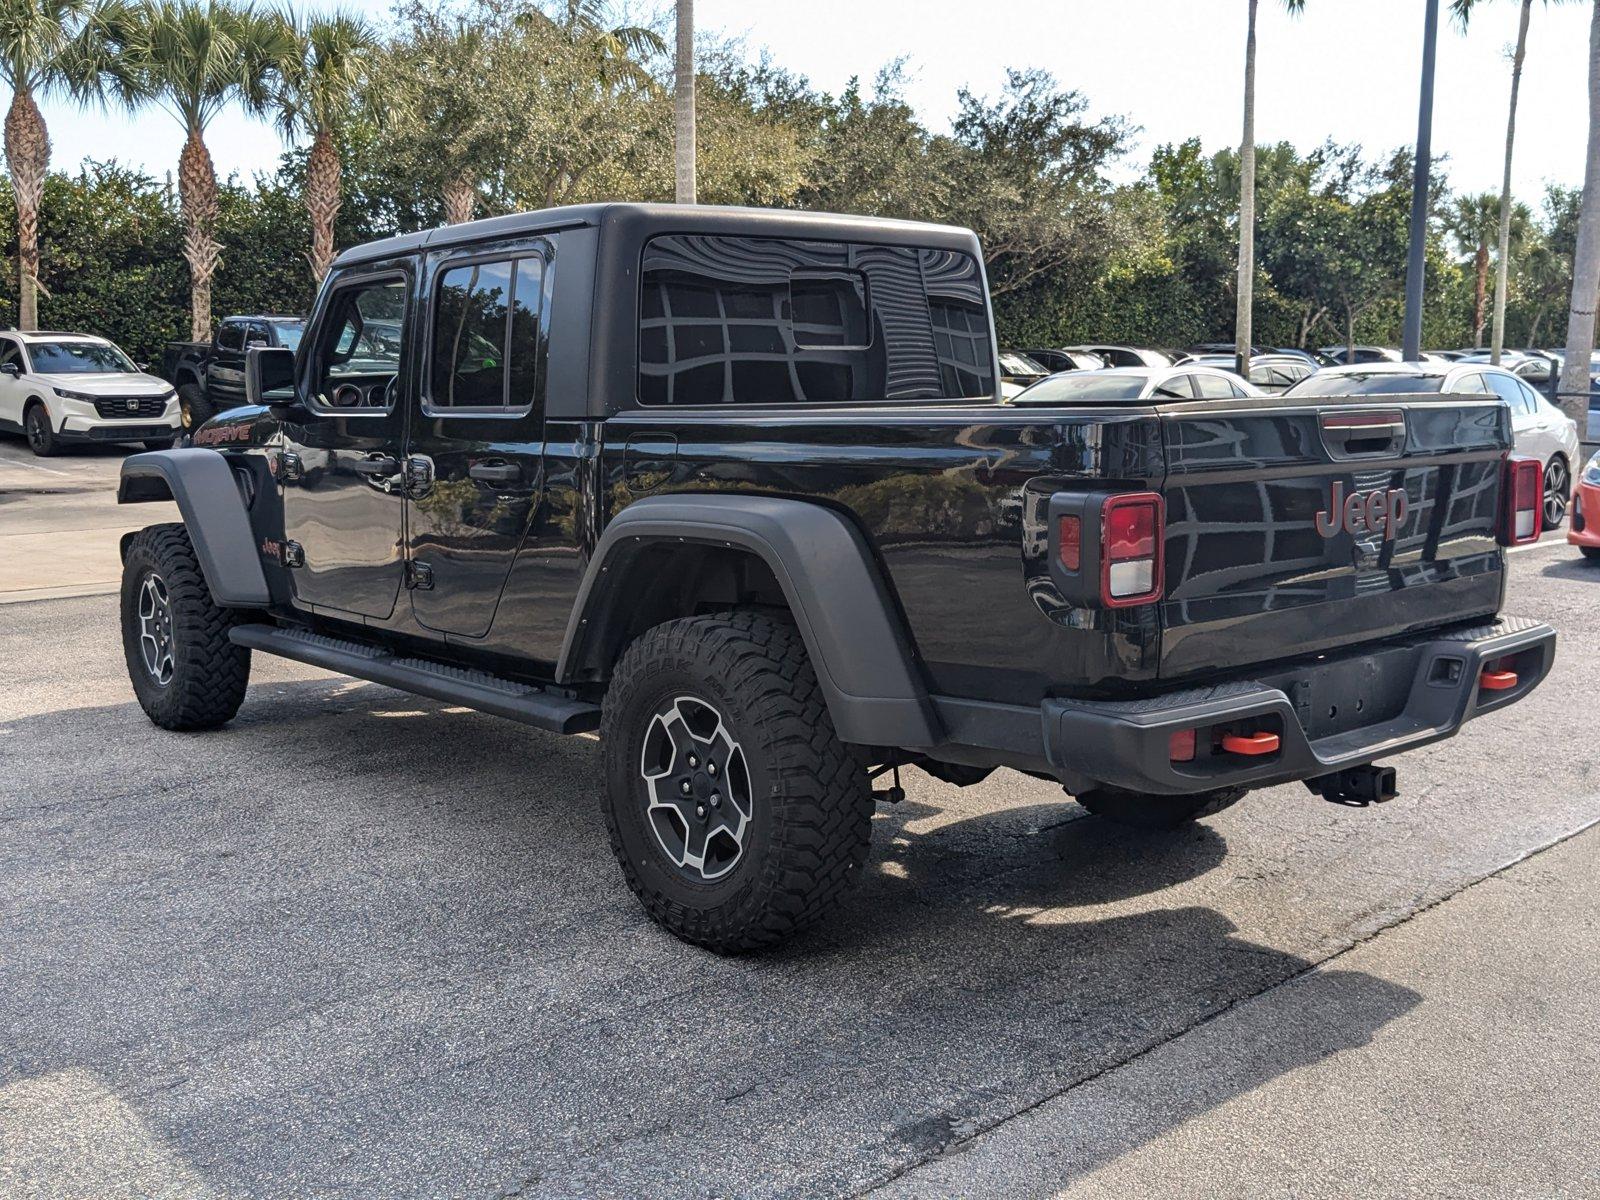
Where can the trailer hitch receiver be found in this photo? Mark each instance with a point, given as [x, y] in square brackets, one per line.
[1356, 786]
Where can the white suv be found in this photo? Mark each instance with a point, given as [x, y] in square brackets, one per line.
[69, 387]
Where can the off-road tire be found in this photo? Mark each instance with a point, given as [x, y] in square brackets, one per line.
[158, 444]
[1141, 811]
[42, 438]
[810, 827]
[209, 673]
[196, 410]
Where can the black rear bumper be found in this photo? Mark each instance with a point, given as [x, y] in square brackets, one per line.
[1335, 712]
[1329, 713]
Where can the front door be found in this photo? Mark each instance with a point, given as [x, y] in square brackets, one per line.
[479, 432]
[339, 469]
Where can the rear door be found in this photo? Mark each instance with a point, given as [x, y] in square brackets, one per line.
[478, 434]
[1295, 527]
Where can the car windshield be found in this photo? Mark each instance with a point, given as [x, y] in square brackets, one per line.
[1019, 364]
[1367, 385]
[289, 333]
[78, 358]
[1065, 389]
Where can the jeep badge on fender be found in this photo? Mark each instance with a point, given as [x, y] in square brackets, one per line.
[1376, 511]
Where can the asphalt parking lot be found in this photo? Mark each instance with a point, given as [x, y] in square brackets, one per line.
[361, 943]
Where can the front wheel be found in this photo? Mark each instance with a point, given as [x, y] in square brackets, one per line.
[42, 438]
[1557, 492]
[736, 813]
[193, 407]
[1140, 811]
[184, 670]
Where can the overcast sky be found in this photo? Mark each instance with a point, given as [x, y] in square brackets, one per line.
[1347, 69]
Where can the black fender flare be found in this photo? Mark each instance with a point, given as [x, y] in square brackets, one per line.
[844, 611]
[202, 484]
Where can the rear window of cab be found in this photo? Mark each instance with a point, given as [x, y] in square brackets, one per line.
[739, 320]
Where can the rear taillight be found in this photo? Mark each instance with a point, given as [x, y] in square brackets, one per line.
[1132, 529]
[1522, 507]
[1071, 543]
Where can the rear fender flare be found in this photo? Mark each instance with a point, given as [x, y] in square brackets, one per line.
[202, 484]
[830, 579]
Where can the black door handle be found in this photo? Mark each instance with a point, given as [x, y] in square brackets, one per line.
[381, 465]
[495, 472]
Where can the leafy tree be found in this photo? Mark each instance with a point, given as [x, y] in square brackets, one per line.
[46, 46]
[315, 94]
[1473, 221]
[192, 58]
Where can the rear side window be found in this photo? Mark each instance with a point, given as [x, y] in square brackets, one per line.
[231, 336]
[732, 320]
[485, 337]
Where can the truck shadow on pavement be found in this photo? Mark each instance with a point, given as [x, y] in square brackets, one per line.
[357, 940]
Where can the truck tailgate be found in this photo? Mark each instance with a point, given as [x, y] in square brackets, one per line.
[1294, 527]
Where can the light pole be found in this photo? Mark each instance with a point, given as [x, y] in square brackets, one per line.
[1412, 339]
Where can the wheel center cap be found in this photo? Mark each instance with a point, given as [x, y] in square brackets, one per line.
[702, 785]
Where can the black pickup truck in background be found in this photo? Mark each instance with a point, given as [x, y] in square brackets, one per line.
[209, 376]
[738, 488]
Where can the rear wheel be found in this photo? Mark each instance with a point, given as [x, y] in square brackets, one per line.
[1141, 811]
[42, 438]
[1557, 492]
[736, 813]
[193, 407]
[184, 670]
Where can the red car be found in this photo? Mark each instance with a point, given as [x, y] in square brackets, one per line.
[1584, 529]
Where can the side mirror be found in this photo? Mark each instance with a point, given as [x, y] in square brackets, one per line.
[10, 369]
[269, 380]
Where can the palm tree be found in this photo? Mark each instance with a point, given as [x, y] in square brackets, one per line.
[45, 46]
[193, 58]
[1463, 14]
[683, 105]
[1473, 220]
[1575, 372]
[1247, 195]
[316, 87]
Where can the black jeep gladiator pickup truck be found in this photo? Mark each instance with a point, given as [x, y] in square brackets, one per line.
[209, 376]
[737, 488]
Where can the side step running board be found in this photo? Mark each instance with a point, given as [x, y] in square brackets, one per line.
[527, 703]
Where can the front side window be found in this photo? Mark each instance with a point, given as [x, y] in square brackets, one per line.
[735, 320]
[230, 336]
[10, 352]
[485, 337]
[358, 357]
[79, 358]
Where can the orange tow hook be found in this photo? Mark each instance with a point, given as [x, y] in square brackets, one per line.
[1498, 681]
[1249, 743]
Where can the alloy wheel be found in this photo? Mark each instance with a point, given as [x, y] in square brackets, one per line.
[1557, 487]
[697, 785]
[155, 629]
[38, 436]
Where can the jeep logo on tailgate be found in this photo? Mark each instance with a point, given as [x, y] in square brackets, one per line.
[1379, 511]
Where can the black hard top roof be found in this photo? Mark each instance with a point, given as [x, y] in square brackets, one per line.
[644, 220]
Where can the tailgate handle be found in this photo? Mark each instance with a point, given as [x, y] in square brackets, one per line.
[1356, 434]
